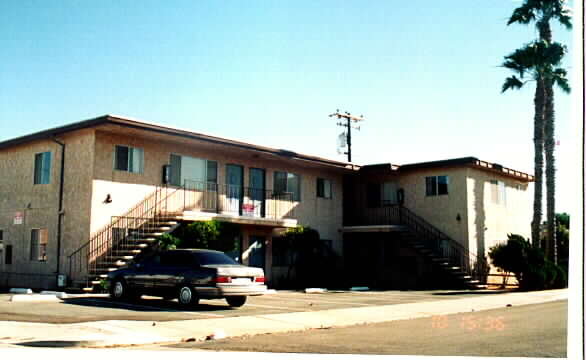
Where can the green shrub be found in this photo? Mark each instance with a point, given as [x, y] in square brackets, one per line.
[532, 270]
[168, 242]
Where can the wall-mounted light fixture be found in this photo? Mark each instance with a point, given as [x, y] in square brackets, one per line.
[458, 218]
[108, 199]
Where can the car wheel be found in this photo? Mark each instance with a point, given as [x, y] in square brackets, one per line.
[118, 289]
[236, 301]
[186, 296]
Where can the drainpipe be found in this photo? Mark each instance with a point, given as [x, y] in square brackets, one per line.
[60, 218]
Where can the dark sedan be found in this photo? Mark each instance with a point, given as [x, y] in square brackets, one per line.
[188, 275]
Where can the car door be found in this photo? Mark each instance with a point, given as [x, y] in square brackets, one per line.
[141, 277]
[171, 271]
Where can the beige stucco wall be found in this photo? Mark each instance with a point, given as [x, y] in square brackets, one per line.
[441, 211]
[39, 206]
[489, 222]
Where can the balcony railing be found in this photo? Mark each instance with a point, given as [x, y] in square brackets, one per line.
[237, 200]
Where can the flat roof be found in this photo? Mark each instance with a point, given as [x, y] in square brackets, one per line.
[136, 124]
[457, 162]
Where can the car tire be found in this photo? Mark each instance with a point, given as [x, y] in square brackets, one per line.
[236, 301]
[187, 296]
[119, 290]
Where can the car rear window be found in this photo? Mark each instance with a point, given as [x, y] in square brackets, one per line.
[213, 258]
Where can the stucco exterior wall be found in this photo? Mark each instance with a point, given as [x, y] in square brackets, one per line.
[79, 165]
[38, 205]
[490, 222]
[440, 211]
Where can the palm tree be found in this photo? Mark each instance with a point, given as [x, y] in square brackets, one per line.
[538, 61]
[542, 12]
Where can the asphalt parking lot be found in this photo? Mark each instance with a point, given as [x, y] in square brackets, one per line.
[99, 307]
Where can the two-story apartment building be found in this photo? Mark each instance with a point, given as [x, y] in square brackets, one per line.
[81, 199]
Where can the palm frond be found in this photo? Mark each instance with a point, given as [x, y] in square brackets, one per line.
[559, 77]
[512, 83]
[523, 14]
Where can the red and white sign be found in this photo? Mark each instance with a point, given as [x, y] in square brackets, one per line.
[18, 218]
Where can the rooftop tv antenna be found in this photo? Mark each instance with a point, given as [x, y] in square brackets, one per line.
[349, 120]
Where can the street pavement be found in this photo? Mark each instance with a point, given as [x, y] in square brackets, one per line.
[513, 331]
[202, 325]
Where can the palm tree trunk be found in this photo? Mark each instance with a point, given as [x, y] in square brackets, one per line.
[539, 102]
[545, 34]
[549, 141]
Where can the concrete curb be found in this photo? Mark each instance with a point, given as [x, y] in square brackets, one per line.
[34, 297]
[118, 333]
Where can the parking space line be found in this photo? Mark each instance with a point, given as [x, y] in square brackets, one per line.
[314, 300]
[277, 307]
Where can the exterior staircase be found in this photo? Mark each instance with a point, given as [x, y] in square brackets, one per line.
[456, 261]
[445, 253]
[125, 238]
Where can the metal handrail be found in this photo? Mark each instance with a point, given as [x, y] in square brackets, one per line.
[444, 246]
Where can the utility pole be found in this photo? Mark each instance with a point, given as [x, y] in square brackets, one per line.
[348, 124]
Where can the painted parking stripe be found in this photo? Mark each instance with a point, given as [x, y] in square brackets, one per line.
[277, 307]
[315, 300]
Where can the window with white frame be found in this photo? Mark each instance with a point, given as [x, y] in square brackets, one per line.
[436, 185]
[324, 188]
[498, 192]
[42, 174]
[285, 182]
[129, 159]
[39, 241]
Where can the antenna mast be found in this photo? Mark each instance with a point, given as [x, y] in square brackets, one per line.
[348, 125]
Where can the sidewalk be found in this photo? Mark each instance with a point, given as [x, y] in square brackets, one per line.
[125, 333]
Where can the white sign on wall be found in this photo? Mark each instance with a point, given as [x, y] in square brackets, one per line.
[18, 218]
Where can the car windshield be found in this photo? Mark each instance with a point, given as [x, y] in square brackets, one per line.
[213, 258]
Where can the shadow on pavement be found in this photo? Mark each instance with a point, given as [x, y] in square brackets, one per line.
[56, 344]
[143, 305]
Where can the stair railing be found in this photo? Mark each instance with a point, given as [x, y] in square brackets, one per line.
[84, 260]
[444, 246]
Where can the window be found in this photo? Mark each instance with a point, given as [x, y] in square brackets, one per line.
[39, 240]
[129, 159]
[288, 183]
[193, 172]
[498, 192]
[42, 168]
[324, 188]
[436, 185]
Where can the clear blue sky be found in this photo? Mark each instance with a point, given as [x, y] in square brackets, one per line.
[425, 74]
